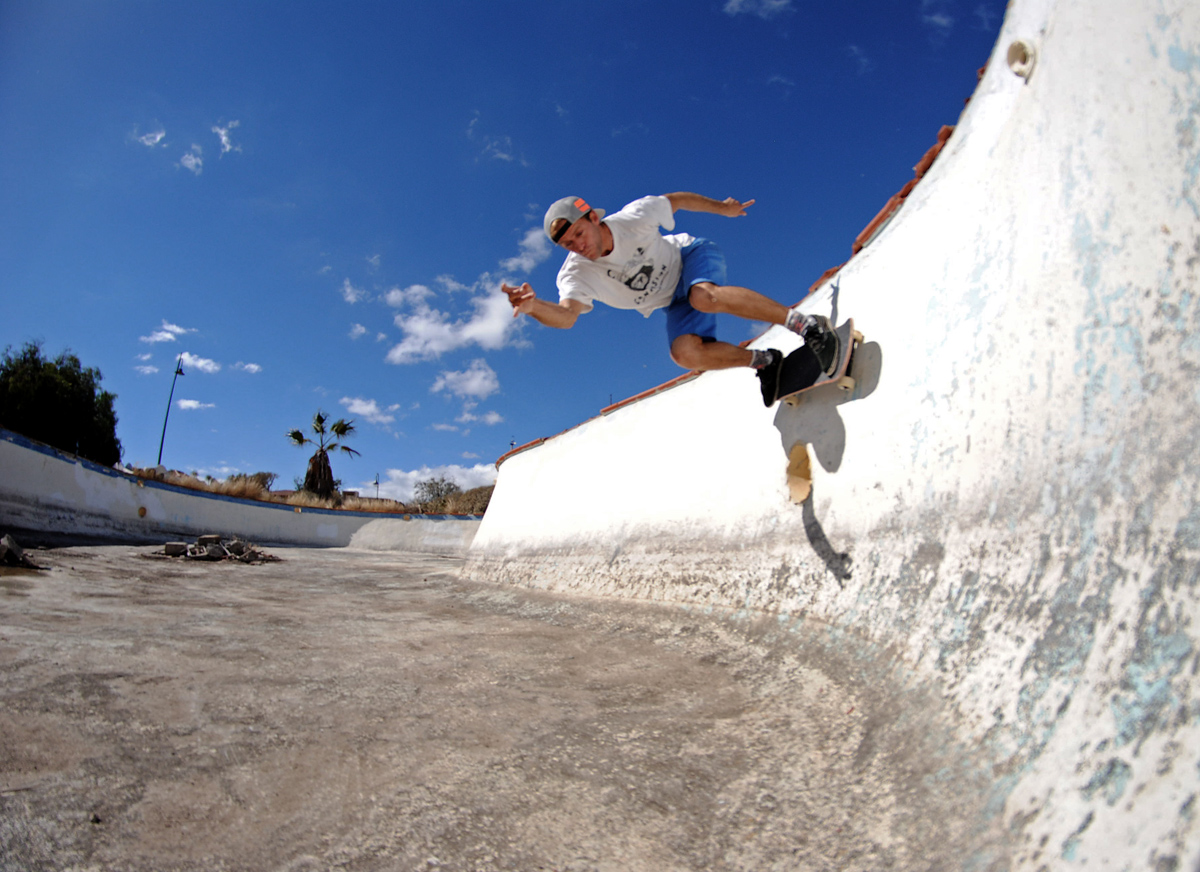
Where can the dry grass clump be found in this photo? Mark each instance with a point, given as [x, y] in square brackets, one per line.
[472, 502]
[308, 500]
[171, 476]
[248, 487]
[245, 487]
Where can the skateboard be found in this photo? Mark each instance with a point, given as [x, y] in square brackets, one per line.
[801, 372]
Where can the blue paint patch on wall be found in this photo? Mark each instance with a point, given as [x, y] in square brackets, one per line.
[1148, 700]
[1182, 61]
[1070, 847]
[1110, 781]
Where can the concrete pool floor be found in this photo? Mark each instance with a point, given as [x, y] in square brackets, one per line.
[375, 711]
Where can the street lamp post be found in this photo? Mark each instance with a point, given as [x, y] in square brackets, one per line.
[178, 373]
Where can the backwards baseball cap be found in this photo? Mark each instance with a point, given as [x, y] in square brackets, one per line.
[569, 208]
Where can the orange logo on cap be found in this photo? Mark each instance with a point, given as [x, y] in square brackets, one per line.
[582, 205]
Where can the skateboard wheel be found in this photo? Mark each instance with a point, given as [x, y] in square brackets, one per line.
[858, 337]
[793, 400]
[846, 383]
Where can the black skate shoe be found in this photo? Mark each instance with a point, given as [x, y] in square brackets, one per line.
[823, 342]
[768, 377]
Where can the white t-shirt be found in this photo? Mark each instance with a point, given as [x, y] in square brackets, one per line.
[643, 268]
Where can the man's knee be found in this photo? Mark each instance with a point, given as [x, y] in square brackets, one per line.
[686, 351]
[704, 297]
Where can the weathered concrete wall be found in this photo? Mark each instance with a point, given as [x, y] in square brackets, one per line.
[42, 489]
[1009, 504]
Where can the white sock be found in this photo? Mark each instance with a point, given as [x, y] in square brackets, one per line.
[798, 322]
[761, 357]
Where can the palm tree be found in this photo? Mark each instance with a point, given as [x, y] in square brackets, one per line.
[319, 478]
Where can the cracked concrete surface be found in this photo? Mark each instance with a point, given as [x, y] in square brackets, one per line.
[375, 711]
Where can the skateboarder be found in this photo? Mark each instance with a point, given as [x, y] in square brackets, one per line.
[624, 261]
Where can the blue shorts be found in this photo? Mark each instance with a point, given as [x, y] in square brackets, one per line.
[702, 262]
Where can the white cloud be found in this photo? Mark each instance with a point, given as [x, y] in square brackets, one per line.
[221, 471]
[368, 409]
[146, 369]
[499, 148]
[195, 404]
[986, 16]
[535, 248]
[352, 294]
[223, 132]
[357, 330]
[193, 160]
[637, 129]
[468, 416]
[430, 333]
[401, 484]
[936, 14]
[764, 9]
[203, 364]
[862, 63]
[411, 296]
[167, 333]
[494, 147]
[783, 83]
[381, 337]
[252, 368]
[152, 138]
[145, 356]
[478, 381]
[451, 284]
[939, 21]
[374, 261]
[492, 321]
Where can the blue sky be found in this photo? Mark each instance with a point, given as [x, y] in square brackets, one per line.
[315, 203]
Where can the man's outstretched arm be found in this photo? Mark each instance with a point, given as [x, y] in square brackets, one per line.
[525, 302]
[729, 207]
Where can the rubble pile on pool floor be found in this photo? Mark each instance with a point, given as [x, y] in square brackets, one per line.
[214, 547]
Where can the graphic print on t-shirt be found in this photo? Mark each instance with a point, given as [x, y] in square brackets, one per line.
[640, 279]
[637, 276]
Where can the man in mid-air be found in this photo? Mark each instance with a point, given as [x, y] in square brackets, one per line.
[623, 260]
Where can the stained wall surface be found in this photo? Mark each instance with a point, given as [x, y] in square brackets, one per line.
[1007, 505]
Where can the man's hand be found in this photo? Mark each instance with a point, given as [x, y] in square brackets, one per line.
[525, 302]
[522, 298]
[729, 207]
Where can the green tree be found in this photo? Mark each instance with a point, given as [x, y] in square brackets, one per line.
[432, 490]
[319, 477]
[58, 402]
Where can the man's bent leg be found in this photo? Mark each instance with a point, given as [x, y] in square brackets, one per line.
[736, 300]
[692, 352]
[815, 330]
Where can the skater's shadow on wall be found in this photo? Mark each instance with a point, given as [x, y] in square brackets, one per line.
[815, 420]
[815, 427]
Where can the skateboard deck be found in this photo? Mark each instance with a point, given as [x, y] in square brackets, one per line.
[801, 372]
